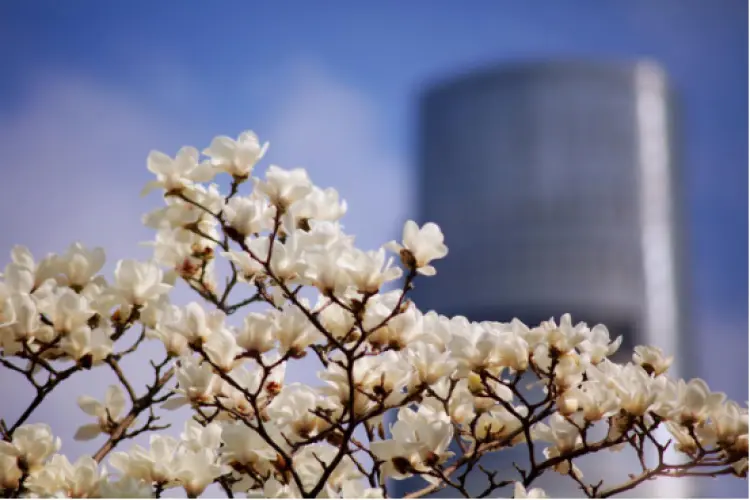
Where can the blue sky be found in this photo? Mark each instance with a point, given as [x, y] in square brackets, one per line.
[88, 88]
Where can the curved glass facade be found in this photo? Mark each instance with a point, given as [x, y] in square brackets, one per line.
[555, 186]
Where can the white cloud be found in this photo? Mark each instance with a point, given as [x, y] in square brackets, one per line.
[72, 167]
[73, 164]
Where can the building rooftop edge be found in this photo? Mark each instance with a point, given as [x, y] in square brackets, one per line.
[527, 68]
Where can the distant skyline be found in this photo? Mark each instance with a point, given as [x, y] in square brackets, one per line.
[90, 87]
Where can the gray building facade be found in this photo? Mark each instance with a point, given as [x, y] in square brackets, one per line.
[557, 188]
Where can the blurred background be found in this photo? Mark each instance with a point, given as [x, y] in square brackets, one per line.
[88, 88]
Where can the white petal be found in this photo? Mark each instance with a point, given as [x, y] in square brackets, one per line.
[87, 432]
[114, 401]
[90, 406]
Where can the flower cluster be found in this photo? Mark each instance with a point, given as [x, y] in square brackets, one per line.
[456, 386]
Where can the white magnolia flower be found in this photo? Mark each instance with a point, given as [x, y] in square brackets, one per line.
[384, 376]
[429, 363]
[396, 331]
[561, 433]
[684, 440]
[197, 383]
[437, 330]
[309, 463]
[293, 411]
[196, 469]
[273, 488]
[597, 344]
[67, 311]
[245, 447]
[420, 441]
[175, 343]
[337, 320]
[199, 437]
[635, 388]
[177, 255]
[32, 443]
[176, 174]
[126, 487]
[107, 413]
[356, 488]
[249, 215]
[520, 492]
[287, 260]
[461, 405]
[569, 369]
[96, 344]
[222, 349]
[79, 265]
[46, 269]
[293, 330]
[692, 402]
[250, 378]
[139, 282]
[652, 359]
[420, 247]
[248, 267]
[236, 157]
[193, 323]
[595, 400]
[730, 425]
[499, 424]
[189, 221]
[284, 187]
[325, 270]
[486, 346]
[559, 339]
[155, 465]
[320, 205]
[60, 477]
[257, 333]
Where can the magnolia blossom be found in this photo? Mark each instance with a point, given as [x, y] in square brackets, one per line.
[197, 383]
[429, 363]
[125, 487]
[157, 464]
[249, 215]
[564, 435]
[46, 269]
[456, 385]
[33, 443]
[284, 187]
[420, 247]
[420, 442]
[294, 331]
[107, 413]
[176, 174]
[79, 265]
[236, 157]
[138, 282]
[245, 447]
[520, 492]
[652, 359]
[81, 479]
[299, 411]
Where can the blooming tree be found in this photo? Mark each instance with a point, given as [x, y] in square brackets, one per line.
[456, 386]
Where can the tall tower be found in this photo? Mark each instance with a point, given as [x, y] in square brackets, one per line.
[555, 186]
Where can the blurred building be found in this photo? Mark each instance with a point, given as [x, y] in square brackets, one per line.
[556, 187]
